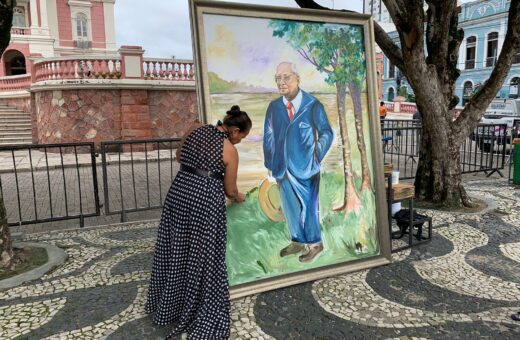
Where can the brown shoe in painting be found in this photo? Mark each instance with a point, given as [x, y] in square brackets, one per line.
[312, 251]
[293, 248]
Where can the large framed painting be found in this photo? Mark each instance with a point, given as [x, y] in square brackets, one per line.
[312, 163]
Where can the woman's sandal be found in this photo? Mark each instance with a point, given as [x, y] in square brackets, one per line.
[516, 316]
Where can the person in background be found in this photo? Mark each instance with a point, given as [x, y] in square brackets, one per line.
[189, 282]
[417, 115]
[382, 110]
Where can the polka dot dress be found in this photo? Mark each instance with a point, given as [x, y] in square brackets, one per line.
[189, 283]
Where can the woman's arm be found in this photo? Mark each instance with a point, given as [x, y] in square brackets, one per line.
[193, 126]
[230, 176]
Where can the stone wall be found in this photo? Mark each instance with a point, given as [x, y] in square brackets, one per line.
[68, 116]
[88, 115]
[171, 112]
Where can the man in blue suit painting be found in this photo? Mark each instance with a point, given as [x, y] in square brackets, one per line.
[297, 136]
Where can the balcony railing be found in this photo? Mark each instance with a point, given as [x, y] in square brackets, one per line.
[110, 68]
[15, 83]
[77, 68]
[20, 31]
[490, 61]
[470, 64]
[168, 69]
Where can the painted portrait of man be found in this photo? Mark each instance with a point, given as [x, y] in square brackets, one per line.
[297, 136]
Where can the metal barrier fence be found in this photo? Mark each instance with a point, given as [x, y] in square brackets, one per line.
[53, 182]
[48, 182]
[485, 150]
[139, 175]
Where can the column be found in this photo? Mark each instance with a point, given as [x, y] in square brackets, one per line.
[44, 17]
[33, 7]
[110, 30]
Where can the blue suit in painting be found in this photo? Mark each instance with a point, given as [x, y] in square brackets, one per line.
[293, 151]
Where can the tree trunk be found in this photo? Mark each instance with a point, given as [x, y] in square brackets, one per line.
[350, 200]
[6, 247]
[439, 177]
[355, 94]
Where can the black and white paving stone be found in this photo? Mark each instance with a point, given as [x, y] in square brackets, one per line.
[463, 284]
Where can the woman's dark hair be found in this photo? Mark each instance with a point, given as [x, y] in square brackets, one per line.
[240, 119]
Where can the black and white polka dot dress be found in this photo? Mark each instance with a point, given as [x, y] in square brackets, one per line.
[189, 283]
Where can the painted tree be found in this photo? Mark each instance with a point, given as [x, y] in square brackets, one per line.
[6, 248]
[427, 55]
[336, 51]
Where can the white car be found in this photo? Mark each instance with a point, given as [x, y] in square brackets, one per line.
[503, 114]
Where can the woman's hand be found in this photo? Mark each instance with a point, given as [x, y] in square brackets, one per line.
[240, 197]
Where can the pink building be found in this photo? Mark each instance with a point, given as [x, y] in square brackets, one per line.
[56, 28]
[63, 80]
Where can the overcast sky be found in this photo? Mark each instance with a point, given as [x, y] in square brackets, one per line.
[162, 27]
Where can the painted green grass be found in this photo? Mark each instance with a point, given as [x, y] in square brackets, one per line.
[254, 242]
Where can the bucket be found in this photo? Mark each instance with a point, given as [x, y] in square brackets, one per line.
[396, 207]
[395, 177]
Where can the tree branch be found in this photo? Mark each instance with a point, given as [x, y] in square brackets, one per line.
[6, 22]
[391, 50]
[470, 116]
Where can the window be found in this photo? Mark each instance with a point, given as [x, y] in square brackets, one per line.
[468, 89]
[391, 70]
[471, 49]
[516, 58]
[19, 17]
[81, 26]
[492, 47]
[391, 94]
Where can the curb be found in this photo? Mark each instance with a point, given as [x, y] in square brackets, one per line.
[56, 257]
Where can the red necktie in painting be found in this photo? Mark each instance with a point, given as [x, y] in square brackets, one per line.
[290, 109]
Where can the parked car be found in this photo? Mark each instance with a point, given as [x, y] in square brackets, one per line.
[497, 124]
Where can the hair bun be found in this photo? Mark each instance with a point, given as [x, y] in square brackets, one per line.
[235, 110]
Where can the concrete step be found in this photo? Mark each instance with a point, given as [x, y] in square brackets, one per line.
[8, 119]
[15, 140]
[15, 126]
[9, 113]
[13, 133]
[4, 111]
[2, 143]
[11, 127]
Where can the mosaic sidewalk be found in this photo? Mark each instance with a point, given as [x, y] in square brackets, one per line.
[464, 284]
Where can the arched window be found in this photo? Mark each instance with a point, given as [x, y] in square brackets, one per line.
[467, 92]
[492, 49]
[14, 63]
[81, 26]
[391, 70]
[468, 89]
[391, 94]
[19, 17]
[471, 52]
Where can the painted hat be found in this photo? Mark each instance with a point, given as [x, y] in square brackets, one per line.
[269, 200]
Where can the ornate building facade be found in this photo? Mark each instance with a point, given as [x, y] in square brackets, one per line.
[485, 25]
[57, 28]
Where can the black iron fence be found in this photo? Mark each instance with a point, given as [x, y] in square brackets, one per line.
[138, 175]
[50, 182]
[485, 150]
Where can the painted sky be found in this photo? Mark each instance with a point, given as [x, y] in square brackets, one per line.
[244, 49]
[162, 27]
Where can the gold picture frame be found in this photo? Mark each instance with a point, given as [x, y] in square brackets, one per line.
[200, 12]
